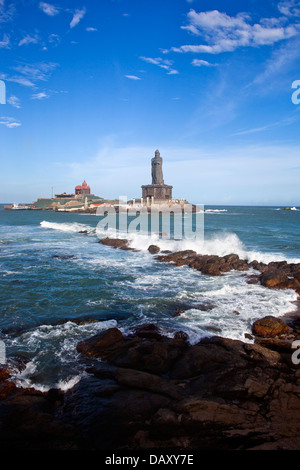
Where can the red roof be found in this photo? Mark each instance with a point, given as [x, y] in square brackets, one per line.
[84, 186]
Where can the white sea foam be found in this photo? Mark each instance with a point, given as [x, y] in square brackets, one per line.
[215, 211]
[287, 209]
[67, 227]
[68, 383]
[220, 244]
[233, 304]
[57, 342]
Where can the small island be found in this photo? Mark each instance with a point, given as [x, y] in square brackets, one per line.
[155, 196]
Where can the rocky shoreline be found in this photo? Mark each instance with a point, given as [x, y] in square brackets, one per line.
[276, 274]
[152, 392]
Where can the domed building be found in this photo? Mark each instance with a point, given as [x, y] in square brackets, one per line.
[83, 190]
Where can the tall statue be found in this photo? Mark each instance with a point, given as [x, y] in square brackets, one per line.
[157, 173]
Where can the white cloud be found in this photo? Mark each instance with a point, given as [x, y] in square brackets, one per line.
[290, 8]
[17, 79]
[132, 77]
[162, 63]
[49, 9]
[202, 63]
[54, 39]
[284, 122]
[77, 17]
[14, 101]
[9, 122]
[91, 29]
[29, 74]
[280, 63]
[35, 72]
[39, 96]
[224, 33]
[28, 40]
[6, 12]
[5, 43]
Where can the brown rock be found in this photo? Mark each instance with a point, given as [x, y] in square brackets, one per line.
[253, 279]
[258, 266]
[101, 344]
[269, 327]
[163, 394]
[275, 279]
[7, 387]
[153, 249]
[120, 243]
[148, 330]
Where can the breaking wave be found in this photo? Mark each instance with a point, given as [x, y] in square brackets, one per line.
[67, 227]
[220, 244]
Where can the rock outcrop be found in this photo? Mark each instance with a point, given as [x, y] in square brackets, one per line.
[155, 392]
[120, 243]
[149, 391]
[274, 275]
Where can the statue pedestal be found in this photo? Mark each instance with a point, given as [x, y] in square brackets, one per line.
[159, 192]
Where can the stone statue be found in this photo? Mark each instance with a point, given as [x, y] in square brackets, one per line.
[157, 174]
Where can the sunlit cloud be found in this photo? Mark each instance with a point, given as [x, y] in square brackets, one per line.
[49, 9]
[77, 17]
[28, 40]
[5, 43]
[132, 77]
[38, 71]
[162, 63]
[224, 33]
[9, 122]
[39, 96]
[14, 101]
[202, 63]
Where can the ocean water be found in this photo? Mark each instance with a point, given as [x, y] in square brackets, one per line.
[53, 278]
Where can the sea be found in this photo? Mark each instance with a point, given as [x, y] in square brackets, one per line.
[59, 286]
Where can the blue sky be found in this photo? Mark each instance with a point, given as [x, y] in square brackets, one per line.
[93, 88]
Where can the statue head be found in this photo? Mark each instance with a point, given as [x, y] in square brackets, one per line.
[157, 154]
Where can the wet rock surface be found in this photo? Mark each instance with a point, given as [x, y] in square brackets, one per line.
[149, 391]
[276, 274]
[154, 392]
[119, 243]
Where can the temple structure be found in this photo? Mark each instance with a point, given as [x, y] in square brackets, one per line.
[83, 190]
[158, 191]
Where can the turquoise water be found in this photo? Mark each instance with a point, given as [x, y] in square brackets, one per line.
[50, 275]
